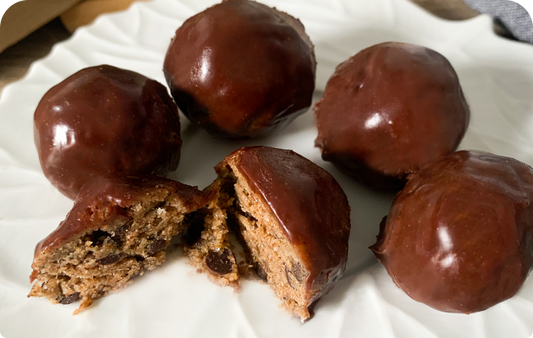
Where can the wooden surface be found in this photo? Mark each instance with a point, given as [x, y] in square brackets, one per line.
[24, 17]
[85, 13]
[15, 61]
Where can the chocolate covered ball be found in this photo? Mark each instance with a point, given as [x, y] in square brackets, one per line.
[241, 69]
[389, 110]
[294, 218]
[459, 236]
[104, 120]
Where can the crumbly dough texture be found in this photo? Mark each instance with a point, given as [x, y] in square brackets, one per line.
[102, 260]
[274, 258]
[207, 243]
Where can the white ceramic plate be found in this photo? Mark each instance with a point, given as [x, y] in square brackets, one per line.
[497, 78]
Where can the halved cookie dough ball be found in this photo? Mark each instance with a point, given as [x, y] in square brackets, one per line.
[118, 228]
[294, 219]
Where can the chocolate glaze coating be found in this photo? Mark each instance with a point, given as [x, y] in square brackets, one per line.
[241, 69]
[388, 110]
[459, 236]
[105, 120]
[309, 204]
[104, 200]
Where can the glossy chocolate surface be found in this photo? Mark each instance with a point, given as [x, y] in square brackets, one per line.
[105, 120]
[388, 110]
[459, 236]
[105, 199]
[241, 69]
[309, 204]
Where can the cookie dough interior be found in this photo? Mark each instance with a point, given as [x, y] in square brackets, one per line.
[275, 259]
[100, 261]
[207, 242]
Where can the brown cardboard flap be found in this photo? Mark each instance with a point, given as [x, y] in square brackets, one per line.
[26, 16]
[84, 13]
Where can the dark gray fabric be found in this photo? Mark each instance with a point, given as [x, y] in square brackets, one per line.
[515, 18]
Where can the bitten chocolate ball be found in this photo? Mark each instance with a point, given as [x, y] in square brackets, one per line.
[459, 236]
[241, 69]
[105, 120]
[389, 110]
[118, 228]
[293, 217]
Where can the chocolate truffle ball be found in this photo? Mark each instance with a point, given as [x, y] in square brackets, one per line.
[105, 120]
[241, 69]
[388, 110]
[294, 218]
[459, 236]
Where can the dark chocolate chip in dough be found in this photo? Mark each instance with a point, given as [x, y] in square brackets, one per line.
[118, 241]
[157, 246]
[122, 229]
[295, 273]
[288, 274]
[219, 262]
[111, 259]
[73, 297]
[298, 272]
[261, 271]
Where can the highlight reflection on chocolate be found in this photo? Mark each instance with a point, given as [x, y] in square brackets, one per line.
[459, 236]
[104, 120]
[388, 110]
[241, 69]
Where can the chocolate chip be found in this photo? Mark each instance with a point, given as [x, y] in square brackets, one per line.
[249, 216]
[111, 259]
[73, 297]
[122, 229]
[287, 275]
[98, 237]
[157, 246]
[296, 273]
[118, 236]
[261, 271]
[138, 258]
[219, 262]
[118, 241]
